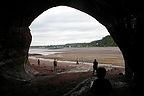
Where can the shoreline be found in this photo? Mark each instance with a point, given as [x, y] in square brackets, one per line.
[104, 55]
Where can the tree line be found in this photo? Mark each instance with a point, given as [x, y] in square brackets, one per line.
[106, 41]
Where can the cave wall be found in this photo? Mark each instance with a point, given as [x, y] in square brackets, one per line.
[123, 19]
[14, 52]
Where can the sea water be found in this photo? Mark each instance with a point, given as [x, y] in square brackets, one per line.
[42, 51]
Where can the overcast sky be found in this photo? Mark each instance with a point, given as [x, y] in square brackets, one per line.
[61, 25]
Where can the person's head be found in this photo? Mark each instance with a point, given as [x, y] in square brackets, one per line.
[101, 72]
[95, 60]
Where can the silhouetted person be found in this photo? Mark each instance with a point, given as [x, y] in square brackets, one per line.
[95, 64]
[101, 86]
[77, 61]
[55, 64]
[38, 62]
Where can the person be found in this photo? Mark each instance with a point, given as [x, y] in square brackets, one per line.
[77, 61]
[55, 64]
[38, 62]
[95, 64]
[101, 86]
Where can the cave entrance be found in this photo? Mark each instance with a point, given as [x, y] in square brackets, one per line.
[69, 35]
[63, 33]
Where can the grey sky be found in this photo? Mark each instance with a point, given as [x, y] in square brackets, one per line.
[61, 25]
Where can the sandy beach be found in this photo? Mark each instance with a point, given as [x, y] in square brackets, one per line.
[68, 74]
[104, 55]
[85, 56]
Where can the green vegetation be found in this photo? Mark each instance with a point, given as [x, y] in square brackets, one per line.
[106, 41]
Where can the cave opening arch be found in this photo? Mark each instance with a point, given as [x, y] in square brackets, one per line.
[104, 19]
[46, 15]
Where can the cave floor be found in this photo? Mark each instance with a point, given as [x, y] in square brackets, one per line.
[67, 84]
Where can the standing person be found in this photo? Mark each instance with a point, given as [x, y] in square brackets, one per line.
[77, 61]
[55, 64]
[95, 64]
[38, 62]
